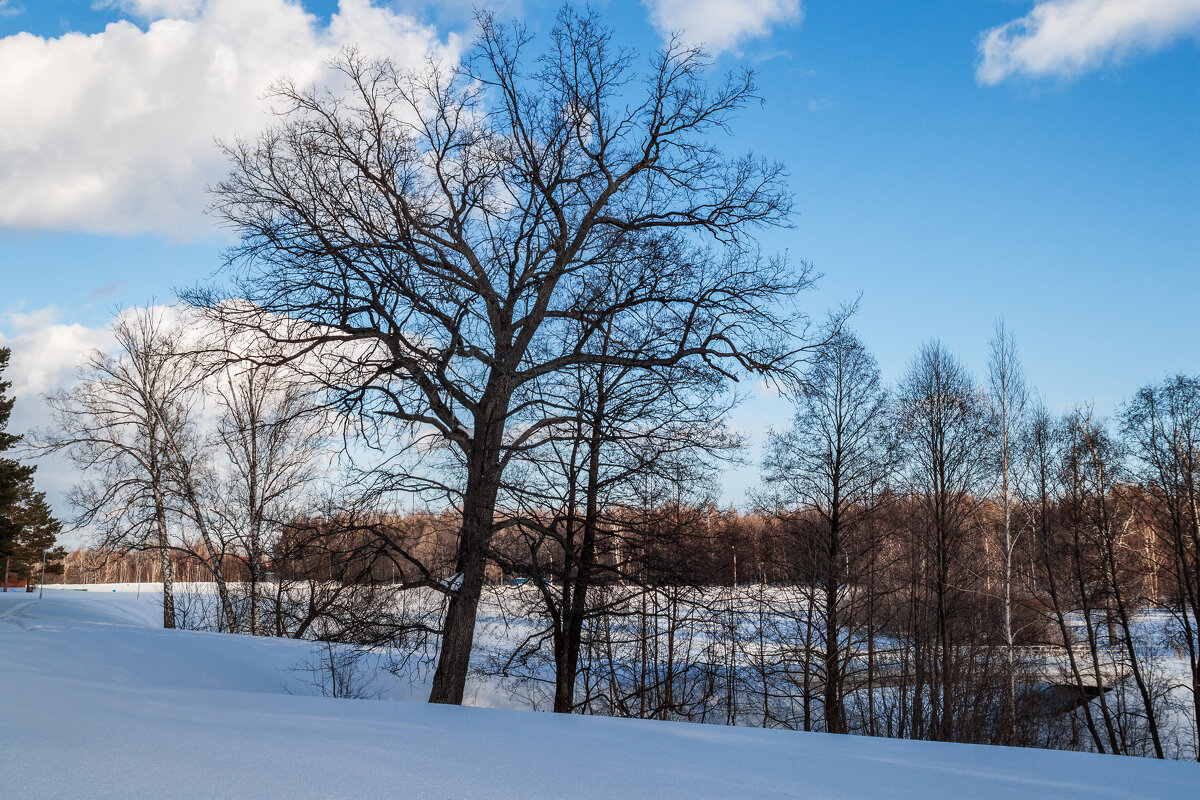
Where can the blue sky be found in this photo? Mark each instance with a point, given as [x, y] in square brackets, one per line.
[1054, 179]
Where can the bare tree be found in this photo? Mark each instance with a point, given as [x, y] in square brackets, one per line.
[1008, 396]
[445, 228]
[1162, 424]
[194, 479]
[1101, 462]
[1043, 493]
[635, 435]
[1084, 522]
[1087, 583]
[270, 433]
[629, 435]
[833, 461]
[944, 437]
[129, 425]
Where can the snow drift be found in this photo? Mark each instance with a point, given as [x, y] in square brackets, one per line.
[99, 703]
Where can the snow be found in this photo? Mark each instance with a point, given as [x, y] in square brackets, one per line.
[100, 703]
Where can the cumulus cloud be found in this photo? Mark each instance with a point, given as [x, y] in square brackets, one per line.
[722, 25]
[113, 132]
[45, 355]
[1068, 37]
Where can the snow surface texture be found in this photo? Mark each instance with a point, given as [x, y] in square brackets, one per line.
[99, 703]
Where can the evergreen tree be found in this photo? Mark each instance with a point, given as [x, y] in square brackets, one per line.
[37, 530]
[26, 524]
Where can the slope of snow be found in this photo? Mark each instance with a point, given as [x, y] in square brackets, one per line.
[99, 703]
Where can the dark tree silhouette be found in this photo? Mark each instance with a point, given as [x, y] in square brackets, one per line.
[439, 239]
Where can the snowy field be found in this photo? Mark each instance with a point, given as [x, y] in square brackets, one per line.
[99, 702]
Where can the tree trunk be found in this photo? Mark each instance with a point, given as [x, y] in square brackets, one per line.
[945, 724]
[218, 573]
[214, 556]
[1121, 617]
[835, 713]
[564, 689]
[1010, 699]
[164, 554]
[560, 618]
[458, 630]
[254, 589]
[168, 582]
[871, 727]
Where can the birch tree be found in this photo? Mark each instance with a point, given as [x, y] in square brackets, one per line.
[1008, 397]
[129, 424]
[270, 433]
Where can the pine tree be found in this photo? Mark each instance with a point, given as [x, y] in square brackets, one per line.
[37, 530]
[26, 523]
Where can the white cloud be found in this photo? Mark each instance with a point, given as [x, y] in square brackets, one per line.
[45, 353]
[113, 132]
[1067, 37]
[721, 24]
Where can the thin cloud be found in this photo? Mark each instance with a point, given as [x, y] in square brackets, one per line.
[104, 291]
[156, 9]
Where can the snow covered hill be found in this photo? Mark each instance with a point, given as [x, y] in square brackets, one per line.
[99, 703]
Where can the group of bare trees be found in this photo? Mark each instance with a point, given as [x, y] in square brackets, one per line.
[1161, 427]
[947, 560]
[942, 560]
[186, 444]
[1029, 573]
[832, 464]
[519, 291]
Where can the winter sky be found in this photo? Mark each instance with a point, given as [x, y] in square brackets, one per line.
[952, 160]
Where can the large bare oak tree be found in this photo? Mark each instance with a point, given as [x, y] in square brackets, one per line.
[450, 231]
